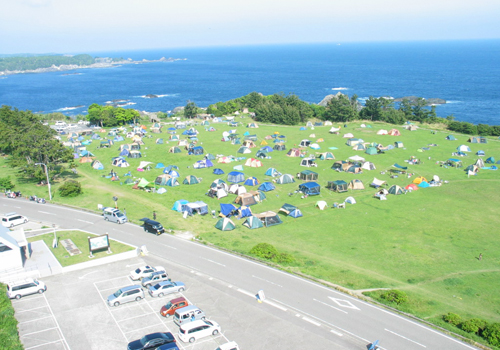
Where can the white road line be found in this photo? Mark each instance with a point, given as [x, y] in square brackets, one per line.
[333, 307]
[82, 277]
[307, 319]
[44, 330]
[44, 212]
[215, 262]
[85, 221]
[65, 343]
[399, 335]
[168, 246]
[335, 332]
[275, 305]
[51, 342]
[18, 301]
[267, 281]
[245, 292]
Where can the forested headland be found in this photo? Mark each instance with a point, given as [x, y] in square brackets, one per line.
[37, 62]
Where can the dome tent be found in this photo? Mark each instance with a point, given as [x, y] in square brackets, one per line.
[225, 224]
[235, 177]
[191, 180]
[253, 222]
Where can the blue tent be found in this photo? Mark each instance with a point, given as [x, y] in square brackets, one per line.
[251, 181]
[172, 182]
[174, 173]
[170, 167]
[124, 153]
[423, 184]
[480, 153]
[227, 209]
[296, 213]
[218, 171]
[196, 150]
[118, 138]
[310, 188]
[272, 172]
[95, 137]
[266, 149]
[303, 128]
[267, 186]
[490, 160]
[396, 165]
[244, 212]
[159, 166]
[178, 205]
[235, 177]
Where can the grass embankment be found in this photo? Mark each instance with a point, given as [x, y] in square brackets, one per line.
[9, 337]
[80, 239]
[425, 243]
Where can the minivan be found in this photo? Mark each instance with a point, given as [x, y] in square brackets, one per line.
[20, 289]
[13, 219]
[114, 215]
[125, 295]
[152, 226]
[169, 309]
[188, 314]
[198, 329]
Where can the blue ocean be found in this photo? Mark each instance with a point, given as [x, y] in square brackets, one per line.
[464, 73]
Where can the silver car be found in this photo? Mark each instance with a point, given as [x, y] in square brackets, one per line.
[166, 287]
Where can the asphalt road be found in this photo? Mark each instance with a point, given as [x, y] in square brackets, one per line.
[349, 323]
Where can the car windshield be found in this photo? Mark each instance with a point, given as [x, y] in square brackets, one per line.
[168, 305]
[138, 271]
[158, 227]
[157, 286]
[119, 215]
[118, 293]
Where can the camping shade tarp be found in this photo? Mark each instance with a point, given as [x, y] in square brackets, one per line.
[227, 209]
[396, 165]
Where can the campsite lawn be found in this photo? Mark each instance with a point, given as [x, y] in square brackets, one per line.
[80, 239]
[425, 242]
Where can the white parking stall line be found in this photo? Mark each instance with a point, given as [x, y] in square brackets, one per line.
[111, 279]
[35, 308]
[36, 319]
[65, 343]
[333, 307]
[401, 336]
[131, 318]
[51, 342]
[138, 329]
[19, 301]
[44, 330]
[307, 319]
[112, 316]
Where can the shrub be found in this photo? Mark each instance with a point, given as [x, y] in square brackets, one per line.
[452, 318]
[70, 188]
[265, 251]
[395, 296]
[285, 258]
[492, 334]
[6, 183]
[474, 325]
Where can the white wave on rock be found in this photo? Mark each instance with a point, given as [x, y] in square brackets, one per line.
[340, 88]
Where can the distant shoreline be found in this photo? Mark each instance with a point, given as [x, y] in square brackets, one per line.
[67, 67]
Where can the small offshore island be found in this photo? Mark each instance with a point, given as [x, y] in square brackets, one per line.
[56, 63]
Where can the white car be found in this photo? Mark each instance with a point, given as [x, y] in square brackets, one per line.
[166, 287]
[228, 346]
[192, 331]
[60, 123]
[144, 271]
[13, 219]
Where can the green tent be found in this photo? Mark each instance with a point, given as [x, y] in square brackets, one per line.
[224, 224]
[395, 189]
[191, 180]
[371, 151]
[129, 181]
[143, 183]
[253, 222]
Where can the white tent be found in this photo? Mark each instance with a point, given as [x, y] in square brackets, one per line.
[334, 129]
[348, 135]
[321, 205]
[142, 165]
[350, 200]
[357, 158]
[382, 132]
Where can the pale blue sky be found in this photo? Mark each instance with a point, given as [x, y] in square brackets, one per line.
[73, 26]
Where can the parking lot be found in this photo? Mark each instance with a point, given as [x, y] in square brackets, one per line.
[73, 313]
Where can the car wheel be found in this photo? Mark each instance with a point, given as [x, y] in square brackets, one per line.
[147, 286]
[40, 291]
[191, 340]
[203, 318]
[167, 315]
[25, 220]
[116, 303]
[11, 225]
[106, 219]
[160, 295]
[18, 296]
[181, 289]
[138, 299]
[215, 332]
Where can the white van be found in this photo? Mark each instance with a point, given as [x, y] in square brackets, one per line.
[188, 314]
[13, 219]
[114, 215]
[20, 289]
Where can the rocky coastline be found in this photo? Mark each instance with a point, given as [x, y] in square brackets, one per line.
[68, 67]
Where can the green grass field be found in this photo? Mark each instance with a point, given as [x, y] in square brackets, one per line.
[425, 242]
[80, 239]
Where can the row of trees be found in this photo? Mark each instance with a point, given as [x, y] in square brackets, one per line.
[35, 62]
[27, 142]
[109, 116]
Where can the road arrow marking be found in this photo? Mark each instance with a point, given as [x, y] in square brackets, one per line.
[333, 307]
[344, 303]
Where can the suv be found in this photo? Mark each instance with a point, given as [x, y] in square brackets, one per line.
[152, 226]
[114, 215]
[21, 288]
[13, 219]
[125, 295]
[154, 278]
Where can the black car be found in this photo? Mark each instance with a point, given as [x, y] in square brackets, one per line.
[152, 226]
[151, 341]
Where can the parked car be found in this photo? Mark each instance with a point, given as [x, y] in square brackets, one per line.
[166, 287]
[154, 278]
[169, 308]
[144, 271]
[169, 346]
[152, 226]
[60, 123]
[13, 219]
[228, 346]
[151, 341]
[22, 288]
[125, 295]
[198, 329]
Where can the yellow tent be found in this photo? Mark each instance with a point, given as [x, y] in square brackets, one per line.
[263, 143]
[419, 180]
